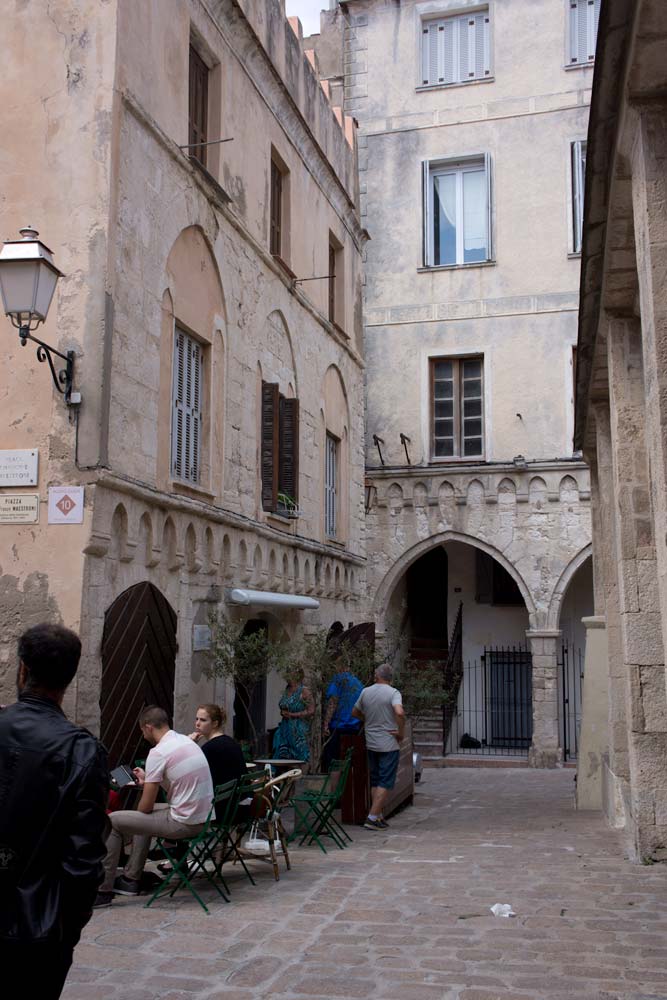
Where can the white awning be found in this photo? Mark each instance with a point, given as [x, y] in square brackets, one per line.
[270, 599]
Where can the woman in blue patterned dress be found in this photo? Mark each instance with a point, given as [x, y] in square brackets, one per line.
[290, 741]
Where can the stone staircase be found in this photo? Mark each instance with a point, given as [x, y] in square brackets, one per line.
[427, 731]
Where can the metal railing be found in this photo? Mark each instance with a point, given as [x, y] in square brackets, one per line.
[570, 676]
[492, 714]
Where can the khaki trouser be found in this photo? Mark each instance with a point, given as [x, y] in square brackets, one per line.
[142, 827]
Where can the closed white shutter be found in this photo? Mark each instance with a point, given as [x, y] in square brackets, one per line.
[489, 207]
[186, 404]
[456, 49]
[584, 18]
[427, 215]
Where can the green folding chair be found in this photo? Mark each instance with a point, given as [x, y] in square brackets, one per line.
[191, 860]
[314, 808]
[248, 789]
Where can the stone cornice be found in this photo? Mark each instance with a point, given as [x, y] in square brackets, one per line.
[219, 515]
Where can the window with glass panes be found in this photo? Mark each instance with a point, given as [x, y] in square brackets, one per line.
[457, 212]
[578, 151]
[331, 486]
[457, 408]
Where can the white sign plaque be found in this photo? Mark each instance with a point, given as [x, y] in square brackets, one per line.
[66, 504]
[18, 468]
[201, 638]
[19, 508]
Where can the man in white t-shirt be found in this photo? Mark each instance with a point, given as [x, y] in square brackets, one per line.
[176, 764]
[380, 707]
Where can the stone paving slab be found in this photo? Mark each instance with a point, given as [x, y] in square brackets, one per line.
[404, 914]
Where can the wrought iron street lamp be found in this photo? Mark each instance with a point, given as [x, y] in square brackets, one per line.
[28, 279]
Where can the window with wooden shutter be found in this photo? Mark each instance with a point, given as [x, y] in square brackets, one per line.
[187, 408]
[457, 402]
[276, 209]
[270, 444]
[584, 18]
[332, 282]
[456, 49]
[288, 473]
[578, 160]
[198, 107]
[331, 486]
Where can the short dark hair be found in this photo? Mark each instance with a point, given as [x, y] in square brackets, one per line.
[50, 654]
[153, 715]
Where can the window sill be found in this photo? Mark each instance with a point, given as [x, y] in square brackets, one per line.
[574, 255]
[459, 460]
[450, 86]
[455, 267]
[339, 329]
[579, 65]
[191, 490]
[280, 521]
[335, 542]
[211, 180]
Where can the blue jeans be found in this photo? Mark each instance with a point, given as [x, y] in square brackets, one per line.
[382, 767]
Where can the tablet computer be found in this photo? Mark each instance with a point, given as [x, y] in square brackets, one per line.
[122, 776]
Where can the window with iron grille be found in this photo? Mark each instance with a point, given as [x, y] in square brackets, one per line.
[276, 209]
[457, 400]
[578, 157]
[279, 451]
[331, 486]
[457, 211]
[583, 29]
[198, 107]
[187, 408]
[456, 49]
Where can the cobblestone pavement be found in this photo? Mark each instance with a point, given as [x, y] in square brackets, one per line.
[404, 915]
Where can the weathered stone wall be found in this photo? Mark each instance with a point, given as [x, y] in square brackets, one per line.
[56, 94]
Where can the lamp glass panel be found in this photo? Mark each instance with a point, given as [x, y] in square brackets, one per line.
[46, 286]
[17, 279]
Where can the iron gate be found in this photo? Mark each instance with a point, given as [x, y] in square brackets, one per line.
[491, 713]
[570, 676]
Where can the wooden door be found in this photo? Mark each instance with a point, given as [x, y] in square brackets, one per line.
[138, 664]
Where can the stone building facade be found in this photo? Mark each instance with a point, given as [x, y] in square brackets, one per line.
[176, 251]
[472, 134]
[620, 424]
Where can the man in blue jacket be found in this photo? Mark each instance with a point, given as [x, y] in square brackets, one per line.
[53, 793]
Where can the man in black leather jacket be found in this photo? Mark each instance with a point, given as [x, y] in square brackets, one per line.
[53, 795]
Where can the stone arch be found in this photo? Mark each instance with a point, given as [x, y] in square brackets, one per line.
[327, 579]
[209, 551]
[393, 575]
[169, 545]
[149, 555]
[568, 491]
[420, 495]
[307, 579]
[119, 534]
[192, 562]
[271, 571]
[257, 564]
[337, 581]
[242, 561]
[285, 564]
[295, 570]
[506, 493]
[193, 298]
[277, 357]
[537, 492]
[226, 557]
[395, 497]
[559, 591]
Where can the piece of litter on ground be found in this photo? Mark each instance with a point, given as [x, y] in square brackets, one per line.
[502, 910]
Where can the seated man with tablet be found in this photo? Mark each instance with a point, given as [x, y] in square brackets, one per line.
[176, 764]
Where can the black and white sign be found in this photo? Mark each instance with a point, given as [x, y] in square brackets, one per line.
[18, 468]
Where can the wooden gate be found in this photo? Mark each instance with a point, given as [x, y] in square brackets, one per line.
[138, 662]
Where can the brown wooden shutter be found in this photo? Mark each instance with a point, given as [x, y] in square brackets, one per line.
[270, 445]
[288, 479]
[332, 283]
[198, 106]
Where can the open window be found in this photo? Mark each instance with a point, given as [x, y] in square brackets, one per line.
[279, 451]
[457, 211]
